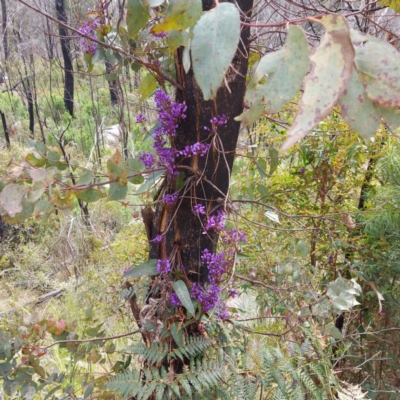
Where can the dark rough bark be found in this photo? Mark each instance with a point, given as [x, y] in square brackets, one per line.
[185, 231]
[4, 27]
[66, 51]
[112, 85]
[29, 97]
[5, 128]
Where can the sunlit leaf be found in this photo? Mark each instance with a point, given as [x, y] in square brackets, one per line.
[147, 268]
[181, 14]
[391, 116]
[147, 87]
[215, 40]
[284, 70]
[11, 197]
[176, 39]
[332, 64]
[357, 109]
[272, 216]
[38, 174]
[116, 166]
[182, 292]
[137, 15]
[25, 213]
[378, 64]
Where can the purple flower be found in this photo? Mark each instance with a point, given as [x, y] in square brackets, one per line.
[89, 29]
[127, 269]
[170, 199]
[140, 119]
[199, 209]
[302, 170]
[195, 149]
[233, 237]
[217, 121]
[160, 35]
[233, 292]
[215, 263]
[163, 266]
[216, 222]
[158, 239]
[147, 159]
[174, 300]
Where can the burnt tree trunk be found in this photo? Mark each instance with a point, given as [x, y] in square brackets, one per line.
[66, 51]
[185, 231]
[5, 128]
[112, 85]
[4, 27]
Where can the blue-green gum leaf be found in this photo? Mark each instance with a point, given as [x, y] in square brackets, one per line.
[215, 40]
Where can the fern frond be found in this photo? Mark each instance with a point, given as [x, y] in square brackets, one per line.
[153, 354]
[351, 392]
[195, 346]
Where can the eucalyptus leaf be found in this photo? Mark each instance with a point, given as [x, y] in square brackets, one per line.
[147, 268]
[117, 191]
[332, 64]
[181, 14]
[137, 15]
[215, 40]
[182, 292]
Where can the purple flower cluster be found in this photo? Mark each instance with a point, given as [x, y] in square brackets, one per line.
[147, 159]
[174, 300]
[216, 265]
[195, 149]
[89, 29]
[160, 35]
[216, 222]
[170, 199]
[140, 119]
[163, 266]
[199, 209]
[232, 237]
[208, 297]
[216, 122]
[169, 113]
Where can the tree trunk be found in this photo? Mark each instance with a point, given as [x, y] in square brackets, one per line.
[4, 26]
[185, 232]
[66, 51]
[112, 85]
[5, 128]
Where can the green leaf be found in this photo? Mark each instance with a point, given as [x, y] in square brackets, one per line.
[117, 191]
[147, 87]
[177, 334]
[273, 159]
[5, 369]
[181, 14]
[378, 64]
[137, 15]
[89, 390]
[147, 268]
[334, 332]
[116, 167]
[332, 66]
[215, 40]
[26, 212]
[28, 391]
[11, 197]
[53, 157]
[89, 195]
[43, 207]
[285, 70]
[357, 109]
[177, 39]
[182, 292]
[35, 192]
[85, 179]
[35, 159]
[150, 181]
[391, 116]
